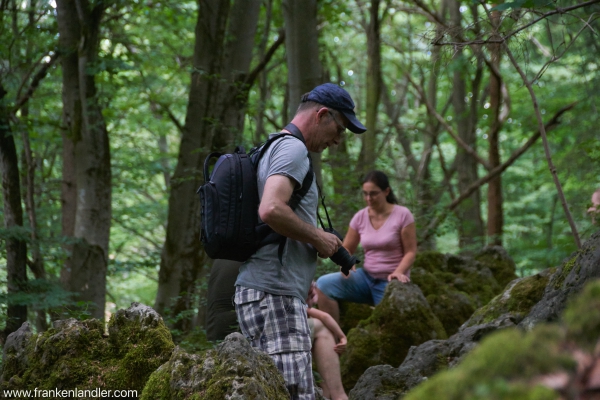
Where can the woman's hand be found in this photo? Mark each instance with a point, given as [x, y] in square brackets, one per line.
[340, 347]
[399, 276]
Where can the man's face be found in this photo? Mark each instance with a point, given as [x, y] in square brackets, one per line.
[332, 125]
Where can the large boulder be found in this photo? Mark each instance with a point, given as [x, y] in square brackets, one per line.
[546, 292]
[421, 362]
[456, 286]
[402, 319]
[569, 279]
[234, 370]
[548, 362]
[78, 354]
[517, 299]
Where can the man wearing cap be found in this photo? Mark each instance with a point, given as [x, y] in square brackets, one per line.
[272, 286]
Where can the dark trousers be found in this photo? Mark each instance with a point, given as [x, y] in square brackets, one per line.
[221, 319]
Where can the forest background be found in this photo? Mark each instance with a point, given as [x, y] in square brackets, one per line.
[108, 109]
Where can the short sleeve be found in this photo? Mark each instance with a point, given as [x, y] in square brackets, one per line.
[289, 157]
[357, 220]
[407, 218]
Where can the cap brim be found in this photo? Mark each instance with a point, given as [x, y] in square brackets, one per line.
[354, 124]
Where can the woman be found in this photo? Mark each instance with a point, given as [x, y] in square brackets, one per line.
[388, 236]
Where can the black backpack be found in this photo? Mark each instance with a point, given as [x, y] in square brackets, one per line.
[229, 227]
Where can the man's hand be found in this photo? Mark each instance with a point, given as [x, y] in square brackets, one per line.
[326, 244]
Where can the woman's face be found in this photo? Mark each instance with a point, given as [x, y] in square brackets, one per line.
[373, 195]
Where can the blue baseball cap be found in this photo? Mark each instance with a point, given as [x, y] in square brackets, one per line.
[333, 96]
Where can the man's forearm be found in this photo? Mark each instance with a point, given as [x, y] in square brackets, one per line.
[284, 221]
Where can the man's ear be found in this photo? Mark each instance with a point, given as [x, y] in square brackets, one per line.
[321, 113]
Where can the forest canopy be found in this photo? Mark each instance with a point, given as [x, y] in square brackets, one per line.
[484, 115]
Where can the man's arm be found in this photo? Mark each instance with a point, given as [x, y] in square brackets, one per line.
[276, 213]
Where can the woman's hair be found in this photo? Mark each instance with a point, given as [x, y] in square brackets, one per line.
[381, 180]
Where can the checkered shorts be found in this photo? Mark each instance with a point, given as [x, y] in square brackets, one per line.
[278, 325]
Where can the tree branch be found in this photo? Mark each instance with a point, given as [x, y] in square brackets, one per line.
[559, 10]
[35, 82]
[554, 122]
[542, 128]
[451, 132]
[251, 77]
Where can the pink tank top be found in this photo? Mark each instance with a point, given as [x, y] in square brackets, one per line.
[383, 246]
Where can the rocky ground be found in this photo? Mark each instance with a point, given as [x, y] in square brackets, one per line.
[464, 328]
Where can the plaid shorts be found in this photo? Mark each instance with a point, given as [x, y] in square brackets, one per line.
[278, 325]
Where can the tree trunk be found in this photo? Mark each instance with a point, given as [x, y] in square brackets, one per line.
[302, 51]
[16, 247]
[470, 224]
[369, 138]
[214, 120]
[495, 217]
[87, 185]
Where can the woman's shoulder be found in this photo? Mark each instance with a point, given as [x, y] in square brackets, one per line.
[359, 217]
[403, 214]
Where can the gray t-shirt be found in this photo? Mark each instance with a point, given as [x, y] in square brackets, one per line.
[287, 156]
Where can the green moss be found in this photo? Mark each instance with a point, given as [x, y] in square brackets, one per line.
[562, 273]
[500, 367]
[582, 316]
[400, 321]
[430, 261]
[518, 299]
[352, 313]
[503, 268]
[78, 354]
[210, 376]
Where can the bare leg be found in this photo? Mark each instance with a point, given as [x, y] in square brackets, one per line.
[328, 363]
[329, 306]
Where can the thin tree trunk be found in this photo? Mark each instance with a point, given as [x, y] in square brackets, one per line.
[470, 224]
[495, 216]
[542, 129]
[87, 179]
[369, 138]
[16, 247]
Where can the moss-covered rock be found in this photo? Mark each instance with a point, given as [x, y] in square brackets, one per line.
[77, 354]
[513, 363]
[582, 317]
[456, 286]
[568, 280]
[501, 367]
[402, 319]
[352, 313]
[517, 299]
[233, 370]
[499, 262]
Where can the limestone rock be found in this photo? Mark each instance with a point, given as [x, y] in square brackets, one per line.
[422, 362]
[77, 354]
[548, 362]
[456, 286]
[402, 319]
[568, 280]
[234, 370]
[499, 262]
[517, 299]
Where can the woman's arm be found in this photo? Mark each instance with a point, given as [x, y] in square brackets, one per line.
[351, 240]
[408, 235]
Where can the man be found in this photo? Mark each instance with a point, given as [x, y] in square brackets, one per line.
[270, 293]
